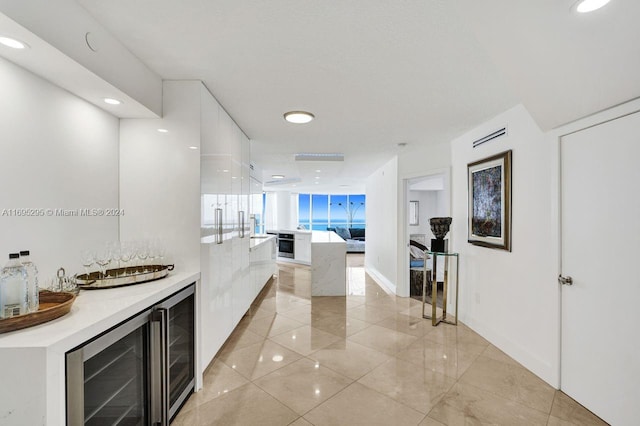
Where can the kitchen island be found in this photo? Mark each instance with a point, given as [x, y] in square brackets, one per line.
[328, 264]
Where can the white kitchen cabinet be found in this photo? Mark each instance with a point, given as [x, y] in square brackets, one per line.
[302, 247]
[263, 263]
[227, 290]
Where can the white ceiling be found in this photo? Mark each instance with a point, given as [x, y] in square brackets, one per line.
[377, 73]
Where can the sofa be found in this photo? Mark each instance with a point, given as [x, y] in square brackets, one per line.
[354, 237]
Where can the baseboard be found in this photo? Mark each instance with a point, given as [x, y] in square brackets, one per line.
[542, 369]
[379, 278]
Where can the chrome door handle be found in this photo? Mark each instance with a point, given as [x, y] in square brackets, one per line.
[219, 237]
[241, 220]
[565, 280]
[159, 368]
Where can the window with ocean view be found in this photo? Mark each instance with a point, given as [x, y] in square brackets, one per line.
[322, 211]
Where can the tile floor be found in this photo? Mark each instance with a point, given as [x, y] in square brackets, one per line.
[367, 359]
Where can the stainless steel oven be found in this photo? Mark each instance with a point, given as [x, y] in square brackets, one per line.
[138, 373]
[286, 244]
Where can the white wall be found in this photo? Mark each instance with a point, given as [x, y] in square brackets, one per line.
[428, 207]
[380, 256]
[64, 23]
[386, 240]
[510, 298]
[56, 152]
[160, 175]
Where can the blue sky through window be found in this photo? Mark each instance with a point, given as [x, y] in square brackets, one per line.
[319, 211]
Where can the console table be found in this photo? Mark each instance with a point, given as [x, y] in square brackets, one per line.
[433, 273]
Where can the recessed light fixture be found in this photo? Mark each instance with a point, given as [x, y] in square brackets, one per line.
[298, 117]
[112, 101]
[585, 6]
[163, 130]
[225, 171]
[13, 43]
[277, 176]
[318, 171]
[317, 177]
[193, 147]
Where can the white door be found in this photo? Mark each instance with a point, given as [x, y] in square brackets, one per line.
[600, 364]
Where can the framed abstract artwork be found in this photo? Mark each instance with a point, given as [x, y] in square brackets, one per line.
[490, 201]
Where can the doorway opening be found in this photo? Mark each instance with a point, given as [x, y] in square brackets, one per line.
[425, 196]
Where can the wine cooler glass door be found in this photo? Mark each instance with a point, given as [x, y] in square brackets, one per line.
[181, 360]
[107, 378]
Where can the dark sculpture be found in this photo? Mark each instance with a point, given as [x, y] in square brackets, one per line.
[439, 227]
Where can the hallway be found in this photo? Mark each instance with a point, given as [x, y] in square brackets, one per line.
[367, 359]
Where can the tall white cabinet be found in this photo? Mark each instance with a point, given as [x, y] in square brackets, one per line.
[227, 290]
[160, 176]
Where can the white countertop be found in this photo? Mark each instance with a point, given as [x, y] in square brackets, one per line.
[291, 231]
[326, 237]
[95, 311]
[259, 240]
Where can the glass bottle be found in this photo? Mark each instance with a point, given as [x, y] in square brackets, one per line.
[13, 288]
[32, 281]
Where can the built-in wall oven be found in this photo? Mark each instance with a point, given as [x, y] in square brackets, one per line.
[138, 373]
[286, 245]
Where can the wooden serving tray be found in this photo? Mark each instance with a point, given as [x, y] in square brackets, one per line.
[52, 305]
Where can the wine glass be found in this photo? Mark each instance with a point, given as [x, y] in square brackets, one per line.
[114, 248]
[127, 252]
[153, 254]
[88, 258]
[143, 254]
[103, 257]
[161, 251]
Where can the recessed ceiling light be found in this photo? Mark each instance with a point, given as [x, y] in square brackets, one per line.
[163, 130]
[318, 171]
[277, 176]
[317, 177]
[13, 43]
[298, 117]
[585, 6]
[225, 171]
[112, 101]
[193, 147]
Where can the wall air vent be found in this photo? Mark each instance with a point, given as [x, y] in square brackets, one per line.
[489, 137]
[317, 156]
[251, 166]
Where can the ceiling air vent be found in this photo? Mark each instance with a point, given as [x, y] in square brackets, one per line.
[251, 166]
[494, 135]
[317, 156]
[282, 181]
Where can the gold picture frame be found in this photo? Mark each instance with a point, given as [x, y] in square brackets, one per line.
[489, 190]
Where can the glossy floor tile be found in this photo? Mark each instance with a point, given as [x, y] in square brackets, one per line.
[365, 359]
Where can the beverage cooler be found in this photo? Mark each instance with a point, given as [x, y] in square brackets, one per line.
[138, 373]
